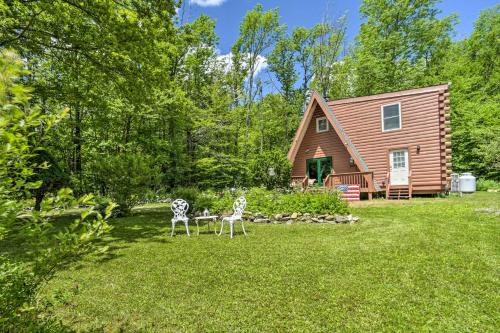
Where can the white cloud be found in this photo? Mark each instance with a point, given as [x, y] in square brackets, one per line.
[207, 3]
[226, 61]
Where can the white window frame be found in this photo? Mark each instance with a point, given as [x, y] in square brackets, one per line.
[317, 125]
[399, 114]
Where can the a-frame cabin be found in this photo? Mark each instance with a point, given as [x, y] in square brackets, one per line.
[398, 143]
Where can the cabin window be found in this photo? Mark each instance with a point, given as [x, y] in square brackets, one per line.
[391, 117]
[321, 125]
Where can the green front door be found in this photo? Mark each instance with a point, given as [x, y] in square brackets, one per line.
[319, 168]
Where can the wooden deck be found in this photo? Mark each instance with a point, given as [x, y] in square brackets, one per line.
[364, 179]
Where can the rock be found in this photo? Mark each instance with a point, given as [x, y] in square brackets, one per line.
[330, 218]
[261, 220]
[317, 220]
[352, 219]
[294, 216]
[341, 219]
[289, 222]
[278, 216]
[307, 215]
[488, 210]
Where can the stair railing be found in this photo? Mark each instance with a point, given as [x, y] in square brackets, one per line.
[387, 185]
[305, 183]
[410, 186]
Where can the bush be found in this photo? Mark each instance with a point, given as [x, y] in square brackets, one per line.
[204, 200]
[276, 161]
[274, 202]
[487, 184]
[125, 177]
[225, 201]
[220, 172]
[16, 288]
[190, 194]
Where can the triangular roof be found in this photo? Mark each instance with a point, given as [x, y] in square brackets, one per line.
[317, 100]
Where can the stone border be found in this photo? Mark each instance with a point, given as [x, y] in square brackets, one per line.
[299, 218]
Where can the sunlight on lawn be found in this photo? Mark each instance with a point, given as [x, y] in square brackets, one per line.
[431, 264]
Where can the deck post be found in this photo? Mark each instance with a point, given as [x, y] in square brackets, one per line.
[370, 196]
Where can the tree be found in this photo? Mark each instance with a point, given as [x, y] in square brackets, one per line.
[258, 31]
[282, 63]
[21, 125]
[303, 42]
[329, 37]
[400, 45]
[472, 66]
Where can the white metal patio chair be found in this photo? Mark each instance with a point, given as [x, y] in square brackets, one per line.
[180, 208]
[238, 208]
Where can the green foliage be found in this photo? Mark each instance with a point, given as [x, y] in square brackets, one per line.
[330, 37]
[21, 127]
[297, 202]
[16, 288]
[206, 199]
[307, 277]
[259, 30]
[190, 194]
[274, 202]
[276, 162]
[487, 184]
[125, 177]
[149, 104]
[282, 62]
[400, 45]
[220, 172]
[473, 69]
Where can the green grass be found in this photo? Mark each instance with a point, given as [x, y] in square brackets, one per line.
[427, 265]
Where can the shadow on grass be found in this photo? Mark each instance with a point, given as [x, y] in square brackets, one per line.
[144, 225]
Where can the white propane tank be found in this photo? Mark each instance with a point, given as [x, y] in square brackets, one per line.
[467, 183]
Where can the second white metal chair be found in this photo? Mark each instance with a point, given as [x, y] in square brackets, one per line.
[238, 208]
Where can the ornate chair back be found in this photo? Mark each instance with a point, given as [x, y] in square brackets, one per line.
[180, 208]
[239, 206]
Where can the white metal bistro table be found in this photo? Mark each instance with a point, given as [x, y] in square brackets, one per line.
[210, 218]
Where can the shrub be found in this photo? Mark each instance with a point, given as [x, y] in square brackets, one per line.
[220, 171]
[225, 200]
[190, 194]
[125, 177]
[276, 161]
[487, 184]
[204, 200]
[274, 202]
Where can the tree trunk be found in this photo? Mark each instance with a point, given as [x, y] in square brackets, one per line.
[38, 199]
[77, 141]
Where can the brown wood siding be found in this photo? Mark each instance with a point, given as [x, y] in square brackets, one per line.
[321, 145]
[423, 121]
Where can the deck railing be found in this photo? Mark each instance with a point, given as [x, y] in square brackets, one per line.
[364, 179]
[300, 181]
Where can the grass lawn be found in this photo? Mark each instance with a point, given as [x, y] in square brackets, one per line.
[424, 265]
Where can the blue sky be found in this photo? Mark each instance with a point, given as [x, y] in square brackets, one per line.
[229, 13]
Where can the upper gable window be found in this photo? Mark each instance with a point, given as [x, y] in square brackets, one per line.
[321, 125]
[391, 117]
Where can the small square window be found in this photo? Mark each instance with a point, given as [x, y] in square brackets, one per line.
[391, 117]
[321, 125]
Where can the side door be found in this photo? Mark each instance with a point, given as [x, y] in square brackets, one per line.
[399, 168]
